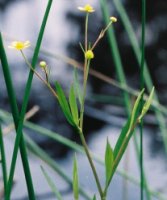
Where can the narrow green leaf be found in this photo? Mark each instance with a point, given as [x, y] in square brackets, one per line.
[51, 184]
[135, 109]
[109, 159]
[147, 104]
[126, 132]
[64, 104]
[94, 197]
[75, 179]
[73, 105]
[77, 87]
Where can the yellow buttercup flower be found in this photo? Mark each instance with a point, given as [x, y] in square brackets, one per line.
[89, 55]
[87, 8]
[113, 19]
[18, 45]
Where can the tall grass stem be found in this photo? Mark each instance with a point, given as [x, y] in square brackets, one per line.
[142, 101]
[15, 113]
[3, 160]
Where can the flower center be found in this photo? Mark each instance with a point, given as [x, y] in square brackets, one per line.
[19, 45]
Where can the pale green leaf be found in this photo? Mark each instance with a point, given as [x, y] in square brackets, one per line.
[75, 180]
[51, 184]
[77, 86]
[147, 104]
[135, 109]
[73, 105]
[64, 104]
[109, 159]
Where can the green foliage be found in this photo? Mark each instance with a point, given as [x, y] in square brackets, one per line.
[147, 104]
[64, 104]
[77, 87]
[73, 105]
[75, 179]
[109, 159]
[51, 184]
[135, 109]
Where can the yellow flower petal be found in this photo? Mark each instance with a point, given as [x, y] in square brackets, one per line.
[18, 45]
[87, 8]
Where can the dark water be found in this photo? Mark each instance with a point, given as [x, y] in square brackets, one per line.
[21, 20]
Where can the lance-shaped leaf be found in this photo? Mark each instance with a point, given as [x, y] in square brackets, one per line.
[75, 180]
[77, 87]
[73, 105]
[64, 104]
[147, 104]
[109, 159]
[126, 133]
[51, 184]
[94, 197]
[135, 109]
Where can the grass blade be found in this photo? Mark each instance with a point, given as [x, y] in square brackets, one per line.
[75, 179]
[15, 113]
[26, 98]
[51, 184]
[120, 73]
[3, 160]
[147, 77]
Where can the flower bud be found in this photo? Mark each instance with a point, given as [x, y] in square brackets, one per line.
[89, 55]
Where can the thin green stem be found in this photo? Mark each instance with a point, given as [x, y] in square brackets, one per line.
[46, 82]
[91, 163]
[80, 130]
[15, 113]
[3, 160]
[101, 35]
[84, 93]
[86, 32]
[141, 104]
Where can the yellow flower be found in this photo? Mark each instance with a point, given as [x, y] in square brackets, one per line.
[18, 45]
[89, 54]
[113, 19]
[87, 8]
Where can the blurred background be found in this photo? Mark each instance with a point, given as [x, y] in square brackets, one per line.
[105, 111]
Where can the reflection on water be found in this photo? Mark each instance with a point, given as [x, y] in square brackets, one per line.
[21, 20]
